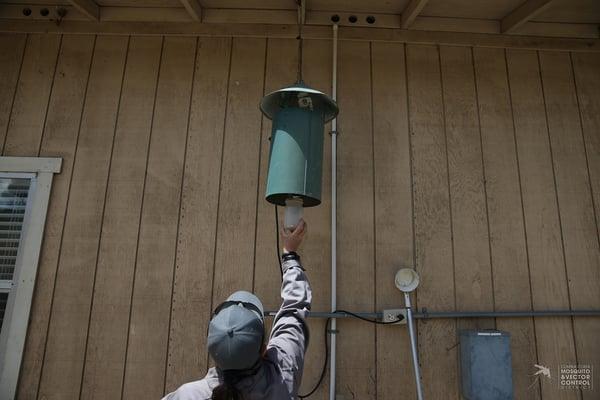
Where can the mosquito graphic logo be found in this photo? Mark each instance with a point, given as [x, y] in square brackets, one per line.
[541, 371]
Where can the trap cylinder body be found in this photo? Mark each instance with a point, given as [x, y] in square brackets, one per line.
[296, 157]
[299, 114]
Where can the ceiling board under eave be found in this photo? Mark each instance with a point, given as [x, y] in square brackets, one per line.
[573, 11]
[359, 6]
[36, 2]
[139, 3]
[479, 9]
[560, 11]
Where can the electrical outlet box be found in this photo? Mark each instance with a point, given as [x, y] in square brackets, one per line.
[392, 315]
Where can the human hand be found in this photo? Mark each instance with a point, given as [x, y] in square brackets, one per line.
[293, 239]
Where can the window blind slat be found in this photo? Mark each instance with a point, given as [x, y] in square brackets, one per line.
[3, 301]
[13, 202]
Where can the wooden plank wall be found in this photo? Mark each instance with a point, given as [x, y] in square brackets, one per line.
[480, 166]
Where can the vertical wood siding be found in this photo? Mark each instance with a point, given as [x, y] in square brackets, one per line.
[394, 241]
[508, 246]
[480, 166]
[433, 221]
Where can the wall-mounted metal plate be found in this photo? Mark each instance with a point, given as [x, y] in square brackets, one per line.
[485, 362]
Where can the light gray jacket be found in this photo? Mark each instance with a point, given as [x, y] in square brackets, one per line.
[280, 374]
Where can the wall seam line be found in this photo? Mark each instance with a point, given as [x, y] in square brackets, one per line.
[174, 268]
[140, 220]
[585, 148]
[262, 120]
[107, 181]
[587, 164]
[224, 132]
[412, 193]
[442, 96]
[484, 177]
[14, 96]
[373, 180]
[58, 54]
[562, 240]
[62, 234]
[516, 148]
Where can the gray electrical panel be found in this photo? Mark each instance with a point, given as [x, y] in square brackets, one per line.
[485, 363]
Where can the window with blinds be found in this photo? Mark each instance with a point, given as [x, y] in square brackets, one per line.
[14, 193]
[25, 185]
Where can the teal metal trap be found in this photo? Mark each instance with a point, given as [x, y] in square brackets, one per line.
[299, 114]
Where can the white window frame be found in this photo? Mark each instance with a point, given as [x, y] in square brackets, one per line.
[16, 316]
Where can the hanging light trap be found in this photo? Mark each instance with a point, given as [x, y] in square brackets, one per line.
[299, 114]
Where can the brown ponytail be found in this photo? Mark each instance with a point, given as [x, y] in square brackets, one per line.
[227, 390]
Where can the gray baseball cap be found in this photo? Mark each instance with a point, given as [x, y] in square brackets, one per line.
[236, 332]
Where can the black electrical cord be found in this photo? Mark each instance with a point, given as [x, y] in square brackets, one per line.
[324, 370]
[277, 238]
[400, 318]
[373, 321]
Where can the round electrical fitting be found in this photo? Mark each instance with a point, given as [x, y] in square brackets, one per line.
[44, 12]
[370, 19]
[406, 280]
[352, 19]
[335, 18]
[27, 12]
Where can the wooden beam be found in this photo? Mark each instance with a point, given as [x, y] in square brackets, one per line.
[89, 8]
[309, 32]
[315, 18]
[410, 12]
[193, 8]
[522, 14]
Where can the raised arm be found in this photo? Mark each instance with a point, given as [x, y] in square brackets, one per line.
[289, 336]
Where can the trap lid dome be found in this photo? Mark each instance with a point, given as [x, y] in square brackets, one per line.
[289, 97]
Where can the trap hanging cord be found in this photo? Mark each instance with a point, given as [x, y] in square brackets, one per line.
[300, 24]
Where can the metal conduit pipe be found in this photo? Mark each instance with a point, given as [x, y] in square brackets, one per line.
[507, 314]
[332, 353]
[460, 314]
[418, 315]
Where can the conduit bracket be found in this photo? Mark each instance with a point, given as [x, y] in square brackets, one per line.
[302, 12]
